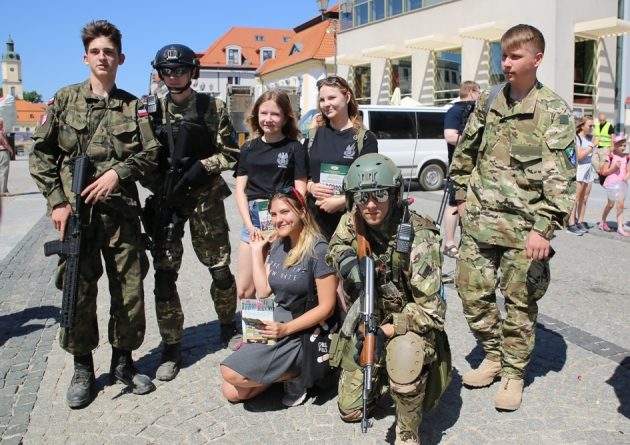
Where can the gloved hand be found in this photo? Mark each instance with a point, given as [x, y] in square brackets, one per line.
[195, 176]
[378, 347]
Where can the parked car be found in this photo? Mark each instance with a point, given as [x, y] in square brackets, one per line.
[413, 137]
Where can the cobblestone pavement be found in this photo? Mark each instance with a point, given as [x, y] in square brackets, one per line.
[577, 388]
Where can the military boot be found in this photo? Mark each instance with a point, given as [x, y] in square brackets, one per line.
[509, 395]
[484, 375]
[171, 358]
[123, 370]
[406, 438]
[230, 337]
[79, 392]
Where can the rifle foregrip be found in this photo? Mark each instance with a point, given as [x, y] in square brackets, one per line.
[367, 353]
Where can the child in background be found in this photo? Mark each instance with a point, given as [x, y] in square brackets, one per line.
[616, 171]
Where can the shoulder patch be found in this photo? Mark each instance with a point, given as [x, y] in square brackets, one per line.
[142, 113]
[564, 119]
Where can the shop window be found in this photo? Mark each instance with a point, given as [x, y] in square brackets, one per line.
[362, 79]
[496, 71]
[447, 72]
[584, 70]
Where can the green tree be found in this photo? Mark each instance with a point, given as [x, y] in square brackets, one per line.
[32, 96]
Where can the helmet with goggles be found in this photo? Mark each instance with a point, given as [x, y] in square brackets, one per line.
[174, 56]
[373, 175]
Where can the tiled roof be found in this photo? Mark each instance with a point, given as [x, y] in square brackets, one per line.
[313, 42]
[245, 38]
[28, 111]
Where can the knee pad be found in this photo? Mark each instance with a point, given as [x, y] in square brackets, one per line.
[222, 278]
[405, 360]
[165, 287]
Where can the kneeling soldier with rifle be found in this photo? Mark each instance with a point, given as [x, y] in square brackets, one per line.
[390, 262]
[194, 130]
[93, 143]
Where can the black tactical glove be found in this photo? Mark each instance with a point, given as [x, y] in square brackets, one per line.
[378, 347]
[195, 177]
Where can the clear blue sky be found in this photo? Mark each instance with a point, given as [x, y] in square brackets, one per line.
[47, 33]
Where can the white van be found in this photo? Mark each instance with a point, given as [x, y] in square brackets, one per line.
[401, 131]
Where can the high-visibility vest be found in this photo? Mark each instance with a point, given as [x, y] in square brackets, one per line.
[605, 140]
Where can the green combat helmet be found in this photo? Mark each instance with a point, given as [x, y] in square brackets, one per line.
[370, 172]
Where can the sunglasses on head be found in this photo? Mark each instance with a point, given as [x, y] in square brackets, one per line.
[330, 80]
[175, 71]
[381, 196]
[292, 192]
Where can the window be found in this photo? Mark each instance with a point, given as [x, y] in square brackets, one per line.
[378, 10]
[414, 4]
[394, 7]
[447, 68]
[362, 89]
[285, 39]
[260, 38]
[431, 125]
[233, 80]
[360, 15]
[584, 72]
[11, 69]
[266, 54]
[233, 56]
[401, 76]
[496, 71]
[392, 124]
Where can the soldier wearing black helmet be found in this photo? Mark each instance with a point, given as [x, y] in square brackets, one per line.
[199, 192]
[409, 303]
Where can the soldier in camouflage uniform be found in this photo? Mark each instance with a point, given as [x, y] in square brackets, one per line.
[202, 190]
[410, 309]
[111, 127]
[515, 180]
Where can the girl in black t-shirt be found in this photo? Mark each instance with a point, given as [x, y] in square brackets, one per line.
[271, 160]
[334, 147]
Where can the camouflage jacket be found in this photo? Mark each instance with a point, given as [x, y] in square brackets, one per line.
[408, 286]
[219, 127]
[114, 132]
[512, 167]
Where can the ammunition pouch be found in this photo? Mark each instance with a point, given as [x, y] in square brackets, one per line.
[342, 351]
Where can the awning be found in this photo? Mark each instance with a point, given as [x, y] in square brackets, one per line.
[387, 52]
[600, 28]
[435, 42]
[491, 31]
[348, 59]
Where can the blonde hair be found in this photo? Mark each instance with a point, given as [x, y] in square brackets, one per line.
[581, 122]
[521, 35]
[310, 233]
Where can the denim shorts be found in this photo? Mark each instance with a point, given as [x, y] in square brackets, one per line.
[253, 214]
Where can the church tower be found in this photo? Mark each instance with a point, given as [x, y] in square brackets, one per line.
[12, 72]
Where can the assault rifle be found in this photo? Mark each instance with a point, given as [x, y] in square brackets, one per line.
[368, 320]
[70, 248]
[164, 212]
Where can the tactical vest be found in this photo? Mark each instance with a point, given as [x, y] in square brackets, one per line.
[602, 133]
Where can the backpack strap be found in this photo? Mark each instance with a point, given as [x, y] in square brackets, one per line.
[360, 138]
[312, 132]
[494, 92]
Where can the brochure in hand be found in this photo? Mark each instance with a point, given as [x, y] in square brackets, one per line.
[264, 217]
[253, 312]
[332, 175]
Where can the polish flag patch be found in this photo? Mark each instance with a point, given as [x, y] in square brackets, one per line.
[143, 113]
[43, 120]
[51, 101]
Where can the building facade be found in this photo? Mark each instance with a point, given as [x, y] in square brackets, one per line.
[12, 72]
[423, 49]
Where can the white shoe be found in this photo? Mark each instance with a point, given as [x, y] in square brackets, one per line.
[294, 393]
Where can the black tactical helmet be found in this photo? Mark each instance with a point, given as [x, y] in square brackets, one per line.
[370, 172]
[176, 55]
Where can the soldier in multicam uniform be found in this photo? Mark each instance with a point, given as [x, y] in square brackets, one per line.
[516, 183]
[177, 65]
[410, 309]
[111, 127]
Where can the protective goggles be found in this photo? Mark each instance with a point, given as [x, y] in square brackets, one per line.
[177, 71]
[293, 193]
[381, 196]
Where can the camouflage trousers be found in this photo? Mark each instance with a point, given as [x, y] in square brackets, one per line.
[407, 400]
[126, 265]
[210, 239]
[522, 281]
